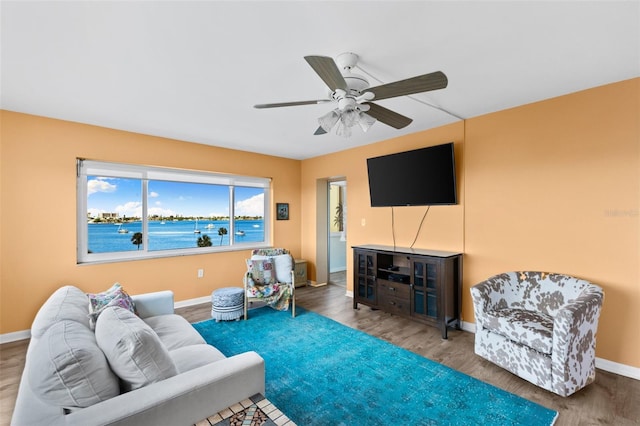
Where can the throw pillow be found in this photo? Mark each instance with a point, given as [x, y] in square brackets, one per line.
[115, 296]
[283, 264]
[263, 271]
[68, 369]
[134, 351]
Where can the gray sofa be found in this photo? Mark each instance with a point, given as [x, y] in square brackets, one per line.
[152, 368]
[539, 326]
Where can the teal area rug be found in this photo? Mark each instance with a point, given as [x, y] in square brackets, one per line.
[320, 372]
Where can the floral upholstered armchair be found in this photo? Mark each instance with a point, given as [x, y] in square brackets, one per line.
[539, 326]
[270, 279]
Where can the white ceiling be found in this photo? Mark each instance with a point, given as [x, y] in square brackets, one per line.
[193, 70]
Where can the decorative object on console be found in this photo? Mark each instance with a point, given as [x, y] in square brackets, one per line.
[540, 326]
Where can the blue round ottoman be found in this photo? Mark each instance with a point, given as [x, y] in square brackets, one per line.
[227, 303]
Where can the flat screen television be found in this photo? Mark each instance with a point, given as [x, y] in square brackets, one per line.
[421, 177]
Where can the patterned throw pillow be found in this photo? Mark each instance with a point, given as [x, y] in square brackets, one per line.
[263, 271]
[115, 296]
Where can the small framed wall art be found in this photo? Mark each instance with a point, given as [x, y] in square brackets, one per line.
[282, 211]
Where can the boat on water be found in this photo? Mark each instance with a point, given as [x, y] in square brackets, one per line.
[240, 233]
[196, 230]
[122, 230]
[210, 226]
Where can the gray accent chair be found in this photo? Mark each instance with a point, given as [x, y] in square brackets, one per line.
[540, 326]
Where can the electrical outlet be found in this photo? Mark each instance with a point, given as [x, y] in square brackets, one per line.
[363, 222]
[200, 273]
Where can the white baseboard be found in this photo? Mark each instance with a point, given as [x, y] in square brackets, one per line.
[192, 302]
[617, 368]
[15, 336]
[349, 293]
[602, 364]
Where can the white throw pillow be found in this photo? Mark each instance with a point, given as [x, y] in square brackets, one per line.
[134, 351]
[283, 264]
[68, 369]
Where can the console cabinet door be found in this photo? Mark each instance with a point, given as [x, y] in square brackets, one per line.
[425, 289]
[365, 284]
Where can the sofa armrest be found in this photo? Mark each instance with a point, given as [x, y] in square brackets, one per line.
[152, 304]
[183, 399]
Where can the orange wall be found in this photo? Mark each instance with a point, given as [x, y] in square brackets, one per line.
[443, 227]
[38, 219]
[555, 186]
[552, 186]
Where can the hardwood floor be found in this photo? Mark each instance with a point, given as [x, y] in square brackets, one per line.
[611, 400]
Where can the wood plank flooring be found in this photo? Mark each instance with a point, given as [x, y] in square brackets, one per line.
[611, 400]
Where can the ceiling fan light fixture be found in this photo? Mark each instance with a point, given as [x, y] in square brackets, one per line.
[349, 117]
[365, 121]
[329, 120]
[343, 130]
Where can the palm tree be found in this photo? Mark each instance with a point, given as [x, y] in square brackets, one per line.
[136, 239]
[338, 220]
[204, 241]
[222, 232]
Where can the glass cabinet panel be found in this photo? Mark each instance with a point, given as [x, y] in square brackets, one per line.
[366, 276]
[425, 288]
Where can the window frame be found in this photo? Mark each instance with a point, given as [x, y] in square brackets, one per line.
[87, 168]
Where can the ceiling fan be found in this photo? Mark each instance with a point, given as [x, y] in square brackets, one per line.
[353, 95]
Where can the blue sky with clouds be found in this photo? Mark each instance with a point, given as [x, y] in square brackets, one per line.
[123, 196]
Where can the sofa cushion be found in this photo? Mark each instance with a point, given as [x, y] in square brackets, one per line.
[114, 296]
[68, 369]
[194, 356]
[134, 351]
[174, 331]
[532, 329]
[66, 303]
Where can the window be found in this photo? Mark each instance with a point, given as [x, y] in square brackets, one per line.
[131, 212]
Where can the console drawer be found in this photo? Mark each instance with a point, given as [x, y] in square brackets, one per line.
[393, 289]
[395, 305]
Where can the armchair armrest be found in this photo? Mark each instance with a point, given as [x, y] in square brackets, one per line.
[490, 295]
[152, 304]
[183, 399]
[574, 333]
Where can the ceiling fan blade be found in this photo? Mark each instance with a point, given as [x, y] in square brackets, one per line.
[286, 104]
[328, 71]
[320, 131]
[422, 83]
[388, 117]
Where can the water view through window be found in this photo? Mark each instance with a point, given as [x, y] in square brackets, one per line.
[180, 215]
